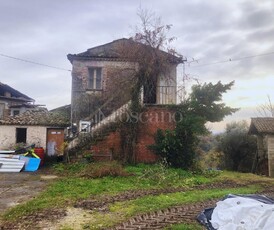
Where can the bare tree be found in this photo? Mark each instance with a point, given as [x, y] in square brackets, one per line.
[149, 48]
[267, 109]
[146, 56]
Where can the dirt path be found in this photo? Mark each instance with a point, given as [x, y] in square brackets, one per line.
[16, 188]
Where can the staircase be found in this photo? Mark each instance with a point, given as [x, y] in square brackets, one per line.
[167, 95]
[101, 124]
[113, 117]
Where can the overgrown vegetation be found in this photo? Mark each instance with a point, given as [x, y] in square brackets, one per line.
[99, 170]
[147, 57]
[75, 184]
[72, 186]
[179, 146]
[146, 50]
[238, 146]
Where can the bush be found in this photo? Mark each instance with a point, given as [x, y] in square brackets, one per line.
[103, 169]
[178, 147]
[202, 105]
[212, 160]
[238, 147]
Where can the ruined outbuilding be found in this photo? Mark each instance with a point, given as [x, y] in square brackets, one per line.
[40, 127]
[263, 128]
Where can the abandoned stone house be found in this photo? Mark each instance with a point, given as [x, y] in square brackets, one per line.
[23, 122]
[13, 102]
[263, 128]
[101, 88]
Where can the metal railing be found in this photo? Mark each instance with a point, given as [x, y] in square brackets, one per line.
[166, 95]
[111, 118]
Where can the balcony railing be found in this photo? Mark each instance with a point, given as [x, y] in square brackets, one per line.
[166, 95]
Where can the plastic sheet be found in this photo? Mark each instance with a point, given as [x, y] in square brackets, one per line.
[240, 212]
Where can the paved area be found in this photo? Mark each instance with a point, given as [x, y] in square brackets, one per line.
[16, 188]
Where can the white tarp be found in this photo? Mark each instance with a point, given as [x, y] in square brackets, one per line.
[242, 213]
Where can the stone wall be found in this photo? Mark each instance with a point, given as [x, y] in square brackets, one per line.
[115, 79]
[35, 135]
[7, 136]
[270, 151]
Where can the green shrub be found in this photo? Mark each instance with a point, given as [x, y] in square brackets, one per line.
[238, 146]
[212, 160]
[178, 146]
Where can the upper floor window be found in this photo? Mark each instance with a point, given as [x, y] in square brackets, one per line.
[15, 112]
[95, 78]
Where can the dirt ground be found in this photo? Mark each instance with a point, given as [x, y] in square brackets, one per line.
[16, 188]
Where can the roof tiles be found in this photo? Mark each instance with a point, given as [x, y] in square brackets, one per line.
[37, 118]
[262, 125]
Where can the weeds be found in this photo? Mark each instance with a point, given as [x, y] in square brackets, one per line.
[103, 169]
[162, 174]
[112, 179]
[68, 169]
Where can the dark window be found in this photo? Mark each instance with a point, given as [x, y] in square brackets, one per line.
[95, 78]
[150, 93]
[16, 112]
[21, 135]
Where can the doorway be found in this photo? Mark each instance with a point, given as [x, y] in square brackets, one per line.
[55, 140]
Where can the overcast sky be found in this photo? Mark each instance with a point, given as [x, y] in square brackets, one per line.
[210, 31]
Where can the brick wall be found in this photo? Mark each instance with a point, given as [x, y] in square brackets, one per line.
[154, 118]
[108, 148]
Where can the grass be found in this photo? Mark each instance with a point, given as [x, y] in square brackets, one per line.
[243, 177]
[185, 227]
[153, 203]
[72, 186]
[121, 211]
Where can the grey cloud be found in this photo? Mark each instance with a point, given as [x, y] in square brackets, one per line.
[46, 31]
[260, 18]
[262, 35]
[256, 15]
